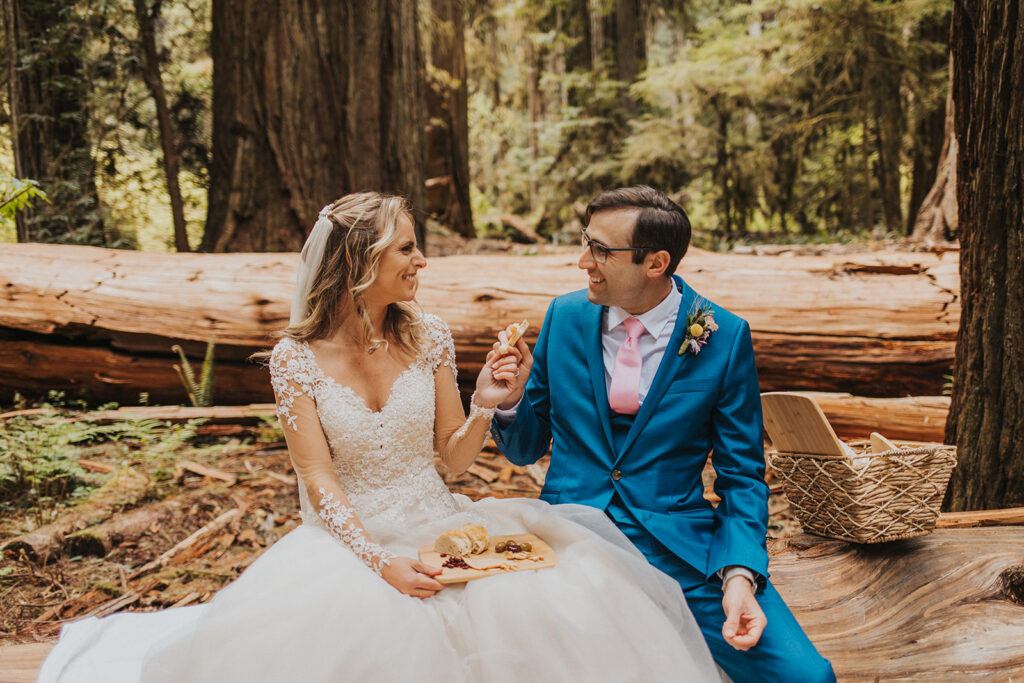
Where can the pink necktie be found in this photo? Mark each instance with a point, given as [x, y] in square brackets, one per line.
[624, 392]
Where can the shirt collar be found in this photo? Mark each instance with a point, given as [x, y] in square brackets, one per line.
[654, 320]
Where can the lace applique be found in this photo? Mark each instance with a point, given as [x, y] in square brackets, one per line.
[440, 347]
[338, 519]
[476, 413]
[293, 372]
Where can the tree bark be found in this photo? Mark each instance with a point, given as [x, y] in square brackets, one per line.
[929, 132]
[311, 101]
[887, 112]
[936, 220]
[154, 81]
[447, 135]
[986, 417]
[49, 114]
[630, 42]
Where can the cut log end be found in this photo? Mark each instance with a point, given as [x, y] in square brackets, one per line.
[1012, 581]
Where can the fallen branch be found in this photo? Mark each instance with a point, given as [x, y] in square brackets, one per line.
[979, 518]
[123, 489]
[229, 517]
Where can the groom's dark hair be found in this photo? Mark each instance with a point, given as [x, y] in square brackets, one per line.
[661, 225]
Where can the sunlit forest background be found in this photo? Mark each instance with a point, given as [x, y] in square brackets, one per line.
[769, 121]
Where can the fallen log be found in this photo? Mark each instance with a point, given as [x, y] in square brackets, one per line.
[913, 418]
[929, 608]
[100, 539]
[101, 322]
[123, 489]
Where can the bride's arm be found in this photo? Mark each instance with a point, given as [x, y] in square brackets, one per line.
[458, 439]
[311, 458]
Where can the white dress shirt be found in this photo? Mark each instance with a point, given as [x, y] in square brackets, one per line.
[659, 324]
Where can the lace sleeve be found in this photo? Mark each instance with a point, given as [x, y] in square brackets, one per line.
[340, 520]
[439, 349]
[292, 374]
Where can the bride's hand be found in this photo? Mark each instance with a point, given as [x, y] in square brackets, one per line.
[503, 377]
[412, 577]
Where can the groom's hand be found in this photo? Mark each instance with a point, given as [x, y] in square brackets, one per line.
[744, 619]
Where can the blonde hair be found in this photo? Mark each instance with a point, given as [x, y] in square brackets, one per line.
[365, 225]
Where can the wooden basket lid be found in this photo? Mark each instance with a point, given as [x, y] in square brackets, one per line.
[796, 424]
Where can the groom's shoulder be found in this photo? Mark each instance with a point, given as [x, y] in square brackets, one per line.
[570, 303]
[729, 323]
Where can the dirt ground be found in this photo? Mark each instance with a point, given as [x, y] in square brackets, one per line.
[244, 500]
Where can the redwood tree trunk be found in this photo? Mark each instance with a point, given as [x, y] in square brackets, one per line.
[887, 112]
[936, 219]
[986, 418]
[311, 101]
[929, 121]
[48, 96]
[447, 163]
[155, 83]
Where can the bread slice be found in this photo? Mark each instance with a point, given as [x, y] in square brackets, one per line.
[478, 535]
[510, 335]
[469, 539]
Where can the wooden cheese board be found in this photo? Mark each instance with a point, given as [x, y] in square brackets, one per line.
[498, 563]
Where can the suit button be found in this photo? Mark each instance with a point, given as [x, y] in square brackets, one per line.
[616, 475]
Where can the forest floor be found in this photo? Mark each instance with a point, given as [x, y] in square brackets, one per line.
[218, 496]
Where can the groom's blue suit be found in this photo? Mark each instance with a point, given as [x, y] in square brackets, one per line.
[646, 471]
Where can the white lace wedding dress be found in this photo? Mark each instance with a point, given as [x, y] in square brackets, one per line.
[310, 610]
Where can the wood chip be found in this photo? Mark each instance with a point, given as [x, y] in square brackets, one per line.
[93, 466]
[204, 471]
[537, 473]
[485, 473]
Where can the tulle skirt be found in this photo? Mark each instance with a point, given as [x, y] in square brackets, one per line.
[309, 610]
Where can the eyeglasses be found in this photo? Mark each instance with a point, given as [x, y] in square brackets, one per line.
[599, 251]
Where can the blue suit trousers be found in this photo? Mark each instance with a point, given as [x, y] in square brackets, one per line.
[784, 652]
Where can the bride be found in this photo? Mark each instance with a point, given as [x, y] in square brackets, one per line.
[366, 394]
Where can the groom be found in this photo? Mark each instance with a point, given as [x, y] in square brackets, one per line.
[632, 400]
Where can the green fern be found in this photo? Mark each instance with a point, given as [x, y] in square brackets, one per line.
[200, 394]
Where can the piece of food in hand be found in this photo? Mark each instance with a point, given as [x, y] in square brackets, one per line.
[466, 540]
[509, 336]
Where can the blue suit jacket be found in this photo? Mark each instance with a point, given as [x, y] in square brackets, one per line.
[696, 404]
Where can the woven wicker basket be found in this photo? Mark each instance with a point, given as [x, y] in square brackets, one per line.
[870, 498]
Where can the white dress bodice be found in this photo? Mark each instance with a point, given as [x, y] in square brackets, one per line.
[384, 459]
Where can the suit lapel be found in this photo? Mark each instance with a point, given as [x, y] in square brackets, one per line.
[670, 364]
[592, 320]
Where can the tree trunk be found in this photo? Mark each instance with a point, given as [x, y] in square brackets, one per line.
[936, 220]
[986, 417]
[630, 43]
[929, 137]
[887, 112]
[155, 83]
[311, 101]
[447, 136]
[49, 116]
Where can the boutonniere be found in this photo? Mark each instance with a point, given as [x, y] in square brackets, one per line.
[700, 323]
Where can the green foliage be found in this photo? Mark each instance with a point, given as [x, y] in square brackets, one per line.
[16, 195]
[39, 453]
[768, 119]
[200, 393]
